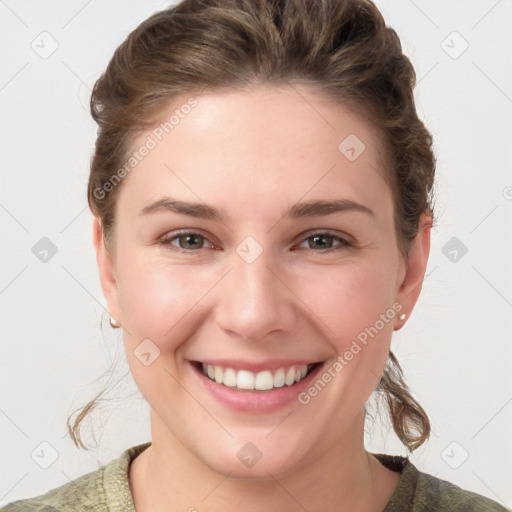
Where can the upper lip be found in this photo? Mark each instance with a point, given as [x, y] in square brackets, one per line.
[257, 366]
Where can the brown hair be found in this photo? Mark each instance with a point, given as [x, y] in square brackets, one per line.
[342, 48]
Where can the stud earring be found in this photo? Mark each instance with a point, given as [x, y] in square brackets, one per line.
[114, 323]
[402, 317]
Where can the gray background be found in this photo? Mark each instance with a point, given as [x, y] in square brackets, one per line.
[56, 341]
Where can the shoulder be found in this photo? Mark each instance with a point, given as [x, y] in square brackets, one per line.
[82, 494]
[98, 491]
[421, 492]
[447, 496]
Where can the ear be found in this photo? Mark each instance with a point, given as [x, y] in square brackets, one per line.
[106, 270]
[415, 268]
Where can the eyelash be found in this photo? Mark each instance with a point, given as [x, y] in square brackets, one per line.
[344, 243]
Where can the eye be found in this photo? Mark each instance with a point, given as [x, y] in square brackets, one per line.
[185, 242]
[189, 242]
[322, 242]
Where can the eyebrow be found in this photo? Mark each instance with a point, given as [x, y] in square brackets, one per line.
[297, 211]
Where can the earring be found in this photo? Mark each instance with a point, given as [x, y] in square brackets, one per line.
[114, 323]
[402, 317]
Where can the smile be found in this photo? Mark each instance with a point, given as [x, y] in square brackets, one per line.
[254, 387]
[261, 381]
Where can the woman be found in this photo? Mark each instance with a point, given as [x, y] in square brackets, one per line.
[261, 187]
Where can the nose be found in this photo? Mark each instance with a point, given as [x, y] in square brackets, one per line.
[255, 301]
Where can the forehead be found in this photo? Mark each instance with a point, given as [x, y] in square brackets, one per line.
[267, 143]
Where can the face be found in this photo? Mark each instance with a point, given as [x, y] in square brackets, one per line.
[285, 276]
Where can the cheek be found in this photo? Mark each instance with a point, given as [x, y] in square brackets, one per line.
[160, 303]
[351, 297]
[356, 304]
[157, 301]
[357, 308]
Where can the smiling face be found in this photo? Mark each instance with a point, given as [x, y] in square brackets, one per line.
[253, 288]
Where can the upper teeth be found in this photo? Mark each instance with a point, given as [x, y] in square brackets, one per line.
[244, 379]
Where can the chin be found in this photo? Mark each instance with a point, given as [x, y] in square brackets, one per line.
[263, 458]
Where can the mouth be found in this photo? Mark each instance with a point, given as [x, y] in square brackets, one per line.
[265, 380]
[254, 388]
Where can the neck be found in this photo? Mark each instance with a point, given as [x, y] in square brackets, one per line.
[166, 476]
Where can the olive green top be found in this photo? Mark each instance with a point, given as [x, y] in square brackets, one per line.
[107, 490]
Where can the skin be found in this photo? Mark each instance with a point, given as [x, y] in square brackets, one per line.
[252, 154]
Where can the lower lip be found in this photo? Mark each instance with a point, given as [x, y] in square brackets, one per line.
[251, 400]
